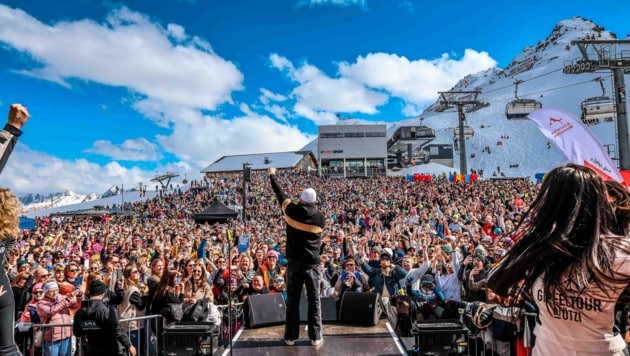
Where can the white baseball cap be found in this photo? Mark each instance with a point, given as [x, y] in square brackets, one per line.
[309, 196]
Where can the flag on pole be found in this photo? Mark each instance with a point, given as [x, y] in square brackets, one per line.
[576, 141]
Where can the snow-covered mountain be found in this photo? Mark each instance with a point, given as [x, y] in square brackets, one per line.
[519, 142]
[32, 202]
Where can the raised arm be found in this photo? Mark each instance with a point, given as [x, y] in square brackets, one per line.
[18, 115]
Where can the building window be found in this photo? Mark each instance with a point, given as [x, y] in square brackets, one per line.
[375, 134]
[355, 134]
[331, 135]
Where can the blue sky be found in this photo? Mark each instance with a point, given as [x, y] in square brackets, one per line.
[120, 91]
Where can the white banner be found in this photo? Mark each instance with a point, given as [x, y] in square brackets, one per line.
[575, 140]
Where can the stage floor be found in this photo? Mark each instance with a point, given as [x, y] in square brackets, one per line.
[338, 340]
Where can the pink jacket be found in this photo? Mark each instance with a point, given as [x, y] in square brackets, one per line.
[56, 312]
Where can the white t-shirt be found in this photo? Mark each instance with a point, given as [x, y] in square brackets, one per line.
[580, 323]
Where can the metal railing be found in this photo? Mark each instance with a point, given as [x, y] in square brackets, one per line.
[143, 337]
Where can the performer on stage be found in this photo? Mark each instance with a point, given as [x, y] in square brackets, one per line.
[570, 265]
[304, 227]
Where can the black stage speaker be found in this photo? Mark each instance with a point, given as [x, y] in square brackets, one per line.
[441, 337]
[360, 308]
[190, 338]
[329, 309]
[266, 309]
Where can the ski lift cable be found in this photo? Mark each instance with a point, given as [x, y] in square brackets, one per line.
[538, 92]
[523, 80]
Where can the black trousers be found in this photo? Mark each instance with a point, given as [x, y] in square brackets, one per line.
[298, 275]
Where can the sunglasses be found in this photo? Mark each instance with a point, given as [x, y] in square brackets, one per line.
[73, 270]
[279, 280]
[38, 292]
[191, 265]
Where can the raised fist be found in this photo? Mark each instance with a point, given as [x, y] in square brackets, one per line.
[18, 115]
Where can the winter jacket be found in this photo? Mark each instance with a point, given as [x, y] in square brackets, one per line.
[380, 280]
[56, 311]
[133, 306]
[99, 323]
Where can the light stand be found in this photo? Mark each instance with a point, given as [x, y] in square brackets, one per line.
[229, 235]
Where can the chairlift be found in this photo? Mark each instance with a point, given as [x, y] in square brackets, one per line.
[185, 181]
[598, 109]
[468, 132]
[520, 108]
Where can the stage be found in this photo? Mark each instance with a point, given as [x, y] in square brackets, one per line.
[338, 340]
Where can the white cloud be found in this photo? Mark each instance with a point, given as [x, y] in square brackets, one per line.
[268, 99]
[30, 171]
[268, 94]
[341, 3]
[128, 50]
[318, 97]
[176, 31]
[203, 139]
[139, 149]
[416, 81]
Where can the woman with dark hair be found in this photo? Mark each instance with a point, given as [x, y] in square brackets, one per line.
[570, 264]
[168, 299]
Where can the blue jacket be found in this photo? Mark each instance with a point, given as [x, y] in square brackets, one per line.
[378, 278]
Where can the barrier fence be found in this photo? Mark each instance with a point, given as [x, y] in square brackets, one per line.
[141, 332]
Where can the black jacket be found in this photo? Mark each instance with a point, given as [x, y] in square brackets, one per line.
[98, 321]
[304, 226]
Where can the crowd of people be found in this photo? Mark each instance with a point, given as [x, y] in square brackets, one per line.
[427, 242]
[161, 256]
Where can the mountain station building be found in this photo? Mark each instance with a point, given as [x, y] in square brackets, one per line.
[352, 150]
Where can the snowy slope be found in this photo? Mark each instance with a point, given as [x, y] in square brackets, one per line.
[544, 82]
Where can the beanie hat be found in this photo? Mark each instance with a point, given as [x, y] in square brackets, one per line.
[97, 288]
[480, 251]
[309, 196]
[37, 286]
[50, 286]
[480, 258]
[272, 253]
[427, 278]
[21, 263]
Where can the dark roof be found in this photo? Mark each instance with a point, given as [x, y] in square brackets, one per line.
[95, 211]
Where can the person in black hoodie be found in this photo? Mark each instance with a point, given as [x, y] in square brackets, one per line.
[98, 322]
[305, 224]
